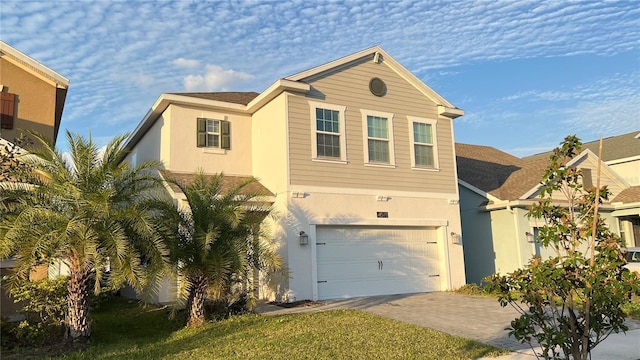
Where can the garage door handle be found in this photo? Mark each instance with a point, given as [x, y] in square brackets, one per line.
[322, 281]
[381, 265]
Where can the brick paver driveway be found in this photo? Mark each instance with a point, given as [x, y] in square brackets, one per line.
[472, 317]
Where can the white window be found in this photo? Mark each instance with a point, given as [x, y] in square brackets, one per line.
[214, 134]
[424, 151]
[328, 137]
[377, 130]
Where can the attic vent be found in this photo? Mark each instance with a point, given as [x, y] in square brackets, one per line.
[377, 87]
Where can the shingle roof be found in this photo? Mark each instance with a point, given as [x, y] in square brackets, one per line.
[228, 182]
[242, 98]
[628, 195]
[613, 148]
[496, 172]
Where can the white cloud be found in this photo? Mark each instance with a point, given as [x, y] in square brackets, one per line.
[186, 63]
[215, 78]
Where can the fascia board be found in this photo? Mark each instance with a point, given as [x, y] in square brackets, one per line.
[274, 90]
[40, 69]
[479, 192]
[335, 63]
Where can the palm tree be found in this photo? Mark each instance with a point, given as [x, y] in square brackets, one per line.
[214, 239]
[88, 212]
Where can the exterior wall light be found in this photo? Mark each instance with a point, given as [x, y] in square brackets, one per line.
[304, 238]
[456, 238]
[529, 236]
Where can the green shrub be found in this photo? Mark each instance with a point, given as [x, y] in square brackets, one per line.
[45, 304]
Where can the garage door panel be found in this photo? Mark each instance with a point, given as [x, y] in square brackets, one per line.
[363, 261]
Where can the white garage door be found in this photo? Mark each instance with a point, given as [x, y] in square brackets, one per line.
[369, 260]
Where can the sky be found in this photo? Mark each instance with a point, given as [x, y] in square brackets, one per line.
[526, 73]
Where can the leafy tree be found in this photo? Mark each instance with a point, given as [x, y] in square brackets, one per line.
[572, 301]
[215, 240]
[88, 213]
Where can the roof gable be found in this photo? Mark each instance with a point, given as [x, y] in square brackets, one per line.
[31, 65]
[378, 55]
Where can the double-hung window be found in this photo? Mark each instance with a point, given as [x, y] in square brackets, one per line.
[424, 152]
[377, 131]
[328, 136]
[214, 134]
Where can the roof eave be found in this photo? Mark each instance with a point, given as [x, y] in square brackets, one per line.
[274, 90]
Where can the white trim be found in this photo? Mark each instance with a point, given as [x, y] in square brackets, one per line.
[313, 105]
[59, 80]
[434, 142]
[606, 170]
[310, 190]
[622, 160]
[365, 136]
[376, 221]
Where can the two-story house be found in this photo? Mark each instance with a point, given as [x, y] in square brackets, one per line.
[32, 97]
[359, 156]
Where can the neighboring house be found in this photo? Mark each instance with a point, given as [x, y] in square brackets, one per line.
[32, 97]
[622, 154]
[496, 189]
[358, 154]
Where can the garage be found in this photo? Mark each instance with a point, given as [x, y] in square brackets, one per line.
[357, 261]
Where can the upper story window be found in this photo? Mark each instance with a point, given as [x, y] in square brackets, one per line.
[377, 128]
[424, 153]
[328, 136]
[7, 110]
[214, 134]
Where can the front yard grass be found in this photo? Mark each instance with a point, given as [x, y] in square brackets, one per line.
[126, 331]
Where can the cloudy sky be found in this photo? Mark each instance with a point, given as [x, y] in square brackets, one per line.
[527, 73]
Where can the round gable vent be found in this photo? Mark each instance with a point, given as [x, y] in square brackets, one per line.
[377, 87]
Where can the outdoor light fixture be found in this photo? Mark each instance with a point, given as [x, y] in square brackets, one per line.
[455, 238]
[304, 238]
[529, 236]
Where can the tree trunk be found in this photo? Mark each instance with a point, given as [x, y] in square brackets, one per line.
[78, 322]
[197, 295]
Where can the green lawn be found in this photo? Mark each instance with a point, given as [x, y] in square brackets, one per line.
[125, 331]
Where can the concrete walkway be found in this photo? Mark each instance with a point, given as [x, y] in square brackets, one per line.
[472, 317]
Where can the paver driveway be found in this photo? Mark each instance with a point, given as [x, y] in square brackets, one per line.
[472, 317]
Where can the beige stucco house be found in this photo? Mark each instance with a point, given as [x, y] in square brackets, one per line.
[358, 155]
[496, 189]
[32, 97]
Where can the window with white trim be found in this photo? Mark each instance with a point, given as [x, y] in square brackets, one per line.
[377, 128]
[213, 134]
[328, 136]
[424, 152]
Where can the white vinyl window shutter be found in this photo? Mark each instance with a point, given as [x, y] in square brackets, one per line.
[225, 135]
[202, 132]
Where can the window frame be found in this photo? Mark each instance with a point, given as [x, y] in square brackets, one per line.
[224, 134]
[313, 106]
[365, 137]
[434, 145]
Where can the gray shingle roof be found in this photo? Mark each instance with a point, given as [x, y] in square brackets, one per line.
[628, 195]
[496, 172]
[228, 182]
[613, 148]
[242, 98]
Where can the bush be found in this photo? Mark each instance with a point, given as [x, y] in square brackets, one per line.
[45, 304]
